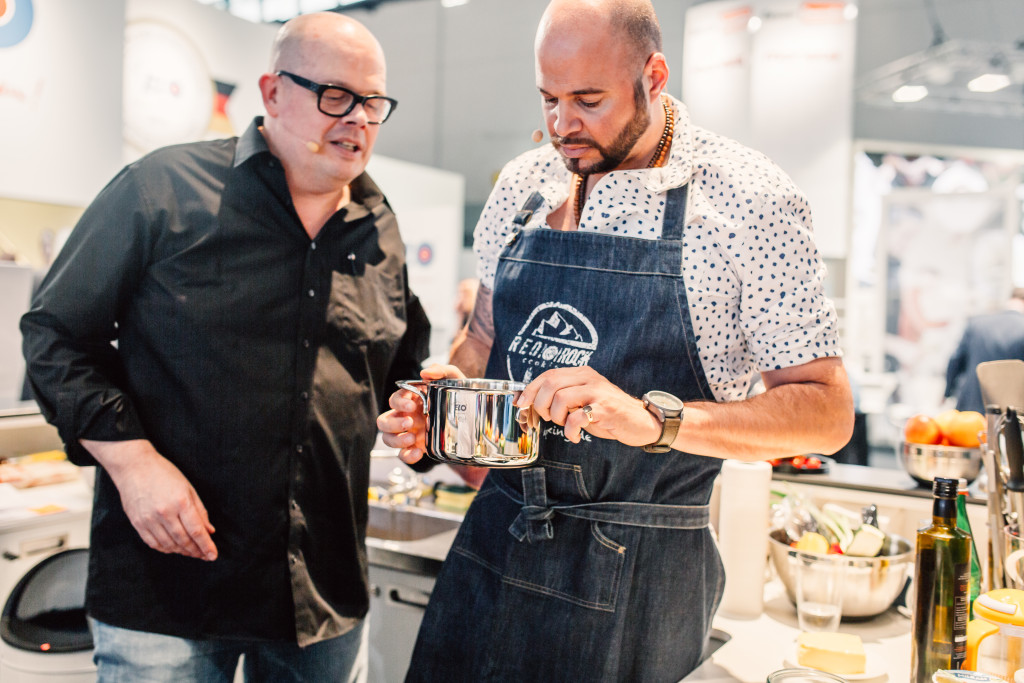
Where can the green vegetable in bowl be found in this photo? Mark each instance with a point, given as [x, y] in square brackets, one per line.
[867, 541]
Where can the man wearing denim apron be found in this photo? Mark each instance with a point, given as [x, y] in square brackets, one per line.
[636, 273]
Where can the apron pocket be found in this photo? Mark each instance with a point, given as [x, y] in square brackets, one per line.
[581, 564]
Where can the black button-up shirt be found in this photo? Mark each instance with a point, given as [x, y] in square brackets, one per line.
[254, 358]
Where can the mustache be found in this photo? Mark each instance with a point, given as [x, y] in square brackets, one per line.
[558, 140]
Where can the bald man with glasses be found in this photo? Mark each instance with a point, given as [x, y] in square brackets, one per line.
[218, 335]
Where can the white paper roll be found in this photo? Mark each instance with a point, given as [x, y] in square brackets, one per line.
[743, 536]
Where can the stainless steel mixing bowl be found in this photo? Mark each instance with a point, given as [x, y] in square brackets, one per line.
[924, 463]
[871, 584]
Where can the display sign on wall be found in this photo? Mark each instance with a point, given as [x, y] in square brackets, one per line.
[168, 91]
[60, 98]
[15, 21]
[183, 80]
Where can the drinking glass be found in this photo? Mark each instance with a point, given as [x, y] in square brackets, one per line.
[819, 590]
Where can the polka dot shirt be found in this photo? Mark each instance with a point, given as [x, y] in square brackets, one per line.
[753, 274]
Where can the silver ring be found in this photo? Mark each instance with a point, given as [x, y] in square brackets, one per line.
[589, 412]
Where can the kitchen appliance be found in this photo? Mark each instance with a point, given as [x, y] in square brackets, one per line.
[870, 585]
[1002, 390]
[44, 635]
[995, 638]
[476, 422]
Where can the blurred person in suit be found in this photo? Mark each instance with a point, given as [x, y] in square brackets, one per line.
[990, 336]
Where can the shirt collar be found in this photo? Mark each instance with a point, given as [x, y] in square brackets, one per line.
[679, 166]
[365, 193]
[251, 143]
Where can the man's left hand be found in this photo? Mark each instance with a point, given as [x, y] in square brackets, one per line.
[581, 399]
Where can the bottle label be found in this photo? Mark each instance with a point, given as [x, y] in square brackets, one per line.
[961, 607]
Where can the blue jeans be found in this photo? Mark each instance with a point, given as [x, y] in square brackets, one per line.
[126, 656]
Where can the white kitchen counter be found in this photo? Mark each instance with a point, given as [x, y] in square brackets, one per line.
[760, 646]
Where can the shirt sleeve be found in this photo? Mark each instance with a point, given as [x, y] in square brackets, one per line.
[70, 330]
[785, 314]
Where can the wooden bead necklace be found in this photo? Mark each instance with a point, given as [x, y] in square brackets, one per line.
[657, 160]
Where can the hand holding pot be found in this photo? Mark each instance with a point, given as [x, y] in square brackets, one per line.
[581, 399]
[404, 426]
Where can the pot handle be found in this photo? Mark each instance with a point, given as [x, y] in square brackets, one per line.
[409, 385]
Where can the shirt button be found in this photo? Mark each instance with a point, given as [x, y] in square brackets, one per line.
[304, 395]
[311, 293]
[312, 246]
[305, 343]
[298, 448]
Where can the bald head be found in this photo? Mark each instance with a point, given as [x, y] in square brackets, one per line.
[631, 21]
[322, 151]
[307, 38]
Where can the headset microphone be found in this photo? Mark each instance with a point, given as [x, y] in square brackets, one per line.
[538, 135]
[313, 147]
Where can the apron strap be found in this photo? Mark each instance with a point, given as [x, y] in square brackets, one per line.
[532, 203]
[523, 216]
[675, 213]
[533, 523]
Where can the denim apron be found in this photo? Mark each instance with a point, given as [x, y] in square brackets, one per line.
[596, 563]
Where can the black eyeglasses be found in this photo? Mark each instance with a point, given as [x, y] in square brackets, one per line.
[337, 101]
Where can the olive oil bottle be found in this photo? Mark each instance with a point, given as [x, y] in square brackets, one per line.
[942, 575]
[963, 522]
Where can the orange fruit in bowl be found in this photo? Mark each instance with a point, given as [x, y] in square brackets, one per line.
[922, 429]
[945, 420]
[966, 429]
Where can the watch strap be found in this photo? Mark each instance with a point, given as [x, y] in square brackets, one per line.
[669, 430]
[670, 421]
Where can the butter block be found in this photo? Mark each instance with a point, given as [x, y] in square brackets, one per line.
[836, 653]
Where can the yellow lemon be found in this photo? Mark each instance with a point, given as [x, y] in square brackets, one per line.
[812, 542]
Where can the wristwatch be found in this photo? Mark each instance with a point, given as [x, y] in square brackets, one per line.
[669, 411]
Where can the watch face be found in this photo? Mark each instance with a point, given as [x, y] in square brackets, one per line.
[664, 400]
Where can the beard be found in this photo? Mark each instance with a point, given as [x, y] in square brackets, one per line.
[615, 152]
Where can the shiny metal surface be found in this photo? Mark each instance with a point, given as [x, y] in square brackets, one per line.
[476, 422]
[924, 463]
[871, 584]
[392, 523]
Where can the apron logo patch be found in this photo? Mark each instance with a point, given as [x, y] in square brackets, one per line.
[555, 335]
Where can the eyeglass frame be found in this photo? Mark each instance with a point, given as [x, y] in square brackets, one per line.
[320, 88]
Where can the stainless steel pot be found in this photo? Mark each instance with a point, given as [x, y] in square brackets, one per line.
[476, 422]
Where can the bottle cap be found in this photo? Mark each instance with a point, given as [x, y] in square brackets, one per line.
[944, 488]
